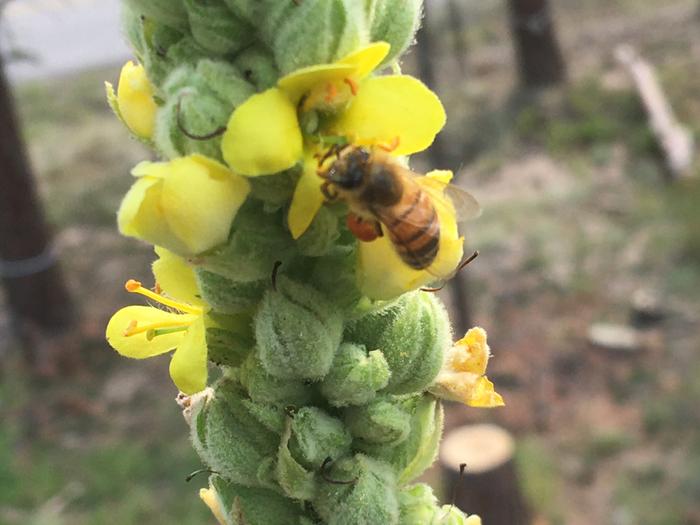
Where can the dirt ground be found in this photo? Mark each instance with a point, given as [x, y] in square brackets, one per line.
[579, 223]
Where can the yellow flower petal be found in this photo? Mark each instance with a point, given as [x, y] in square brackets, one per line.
[135, 100]
[471, 353]
[131, 204]
[383, 275]
[394, 106]
[188, 367]
[296, 84]
[367, 59]
[137, 346]
[263, 135]
[484, 395]
[175, 277]
[211, 499]
[307, 199]
[199, 204]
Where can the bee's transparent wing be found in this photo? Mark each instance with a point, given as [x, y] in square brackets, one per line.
[465, 204]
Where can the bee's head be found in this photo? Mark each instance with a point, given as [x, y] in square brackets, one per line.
[348, 171]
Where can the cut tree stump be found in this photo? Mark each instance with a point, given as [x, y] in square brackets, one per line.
[675, 140]
[489, 485]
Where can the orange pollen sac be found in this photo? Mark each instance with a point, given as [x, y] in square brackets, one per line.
[132, 285]
[354, 87]
[331, 92]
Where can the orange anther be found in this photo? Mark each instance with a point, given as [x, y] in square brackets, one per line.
[392, 146]
[331, 92]
[354, 86]
[132, 285]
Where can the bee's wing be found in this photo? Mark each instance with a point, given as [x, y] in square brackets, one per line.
[465, 204]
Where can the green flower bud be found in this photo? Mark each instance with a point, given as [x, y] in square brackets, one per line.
[275, 190]
[171, 13]
[319, 239]
[266, 388]
[416, 453]
[420, 506]
[227, 296]
[258, 240]
[199, 102]
[382, 421]
[317, 436]
[413, 334]
[270, 416]
[257, 64]
[251, 506]
[312, 31]
[160, 43]
[355, 376]
[334, 275]
[216, 28]
[395, 22]
[230, 338]
[369, 498]
[132, 25]
[229, 439]
[248, 10]
[298, 331]
[295, 480]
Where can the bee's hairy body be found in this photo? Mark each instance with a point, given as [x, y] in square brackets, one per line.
[377, 188]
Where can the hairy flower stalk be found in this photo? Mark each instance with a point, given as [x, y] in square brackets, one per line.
[311, 366]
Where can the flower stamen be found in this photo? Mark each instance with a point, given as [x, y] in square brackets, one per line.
[354, 86]
[134, 286]
[174, 326]
[331, 92]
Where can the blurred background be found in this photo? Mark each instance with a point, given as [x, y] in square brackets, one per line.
[573, 122]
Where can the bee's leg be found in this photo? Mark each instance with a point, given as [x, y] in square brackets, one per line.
[328, 192]
[378, 228]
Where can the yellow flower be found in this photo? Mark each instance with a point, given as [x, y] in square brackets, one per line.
[383, 275]
[186, 205]
[133, 103]
[264, 135]
[211, 499]
[145, 331]
[462, 376]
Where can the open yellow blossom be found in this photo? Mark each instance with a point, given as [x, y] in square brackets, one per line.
[462, 376]
[133, 102]
[382, 274]
[270, 133]
[145, 331]
[186, 205]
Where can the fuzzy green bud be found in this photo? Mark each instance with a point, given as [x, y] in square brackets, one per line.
[334, 275]
[420, 506]
[257, 64]
[319, 239]
[199, 101]
[229, 439]
[275, 190]
[369, 497]
[417, 452]
[266, 388]
[312, 31]
[395, 22]
[241, 505]
[317, 436]
[248, 10]
[171, 13]
[216, 28]
[258, 240]
[413, 334]
[355, 376]
[298, 331]
[381, 421]
[227, 296]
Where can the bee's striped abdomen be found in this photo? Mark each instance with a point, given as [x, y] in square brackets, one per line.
[414, 228]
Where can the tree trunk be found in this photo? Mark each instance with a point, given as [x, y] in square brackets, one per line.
[426, 55]
[479, 471]
[35, 294]
[539, 58]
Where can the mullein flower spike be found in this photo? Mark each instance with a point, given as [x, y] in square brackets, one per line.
[332, 364]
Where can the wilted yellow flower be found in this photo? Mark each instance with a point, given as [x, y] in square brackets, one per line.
[186, 205]
[462, 376]
[133, 102]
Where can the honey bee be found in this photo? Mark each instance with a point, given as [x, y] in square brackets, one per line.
[384, 196]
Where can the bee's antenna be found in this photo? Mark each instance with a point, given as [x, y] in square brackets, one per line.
[324, 474]
[198, 472]
[461, 266]
[181, 126]
[273, 277]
